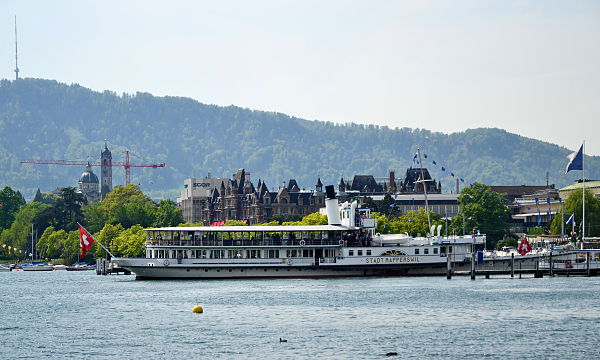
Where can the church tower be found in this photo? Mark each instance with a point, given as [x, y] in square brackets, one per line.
[106, 172]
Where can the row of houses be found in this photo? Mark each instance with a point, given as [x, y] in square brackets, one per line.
[212, 201]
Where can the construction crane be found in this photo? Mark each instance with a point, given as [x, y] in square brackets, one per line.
[127, 165]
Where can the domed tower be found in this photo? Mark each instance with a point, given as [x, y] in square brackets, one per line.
[106, 171]
[89, 185]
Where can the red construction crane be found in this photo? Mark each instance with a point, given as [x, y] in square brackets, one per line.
[125, 164]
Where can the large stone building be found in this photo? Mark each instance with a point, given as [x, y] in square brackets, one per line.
[213, 201]
[89, 185]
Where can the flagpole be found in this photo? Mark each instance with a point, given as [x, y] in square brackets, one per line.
[583, 170]
[99, 243]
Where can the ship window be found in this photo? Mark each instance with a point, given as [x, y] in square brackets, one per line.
[425, 251]
[416, 251]
[368, 252]
[307, 253]
[254, 254]
[350, 252]
[435, 250]
[449, 249]
[292, 253]
[272, 253]
[359, 252]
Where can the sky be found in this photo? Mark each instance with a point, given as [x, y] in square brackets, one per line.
[530, 67]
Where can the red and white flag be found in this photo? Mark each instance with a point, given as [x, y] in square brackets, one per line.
[524, 247]
[85, 241]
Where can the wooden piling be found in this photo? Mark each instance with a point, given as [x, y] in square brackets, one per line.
[551, 265]
[512, 265]
[588, 259]
[448, 267]
[472, 266]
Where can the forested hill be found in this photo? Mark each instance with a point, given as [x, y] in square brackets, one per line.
[44, 119]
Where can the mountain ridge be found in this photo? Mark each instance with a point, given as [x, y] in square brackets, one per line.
[46, 119]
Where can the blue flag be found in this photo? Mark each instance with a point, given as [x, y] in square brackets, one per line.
[575, 160]
[571, 219]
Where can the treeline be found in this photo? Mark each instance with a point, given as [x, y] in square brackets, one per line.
[194, 138]
[116, 221]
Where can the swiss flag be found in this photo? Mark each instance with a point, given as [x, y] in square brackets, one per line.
[85, 241]
[524, 247]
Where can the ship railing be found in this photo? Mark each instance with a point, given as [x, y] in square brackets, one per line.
[244, 242]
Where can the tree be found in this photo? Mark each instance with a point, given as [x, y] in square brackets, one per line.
[10, 202]
[71, 248]
[95, 219]
[67, 209]
[314, 219]
[482, 209]
[130, 242]
[128, 205]
[50, 243]
[167, 214]
[574, 205]
[415, 222]
[106, 237]
[19, 233]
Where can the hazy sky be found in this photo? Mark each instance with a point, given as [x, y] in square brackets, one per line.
[530, 67]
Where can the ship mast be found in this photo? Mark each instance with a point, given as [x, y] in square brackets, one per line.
[424, 191]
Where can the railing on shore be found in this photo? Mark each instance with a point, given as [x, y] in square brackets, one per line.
[569, 263]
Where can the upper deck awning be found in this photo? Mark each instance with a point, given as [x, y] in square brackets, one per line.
[293, 228]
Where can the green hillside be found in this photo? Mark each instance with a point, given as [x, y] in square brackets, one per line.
[44, 119]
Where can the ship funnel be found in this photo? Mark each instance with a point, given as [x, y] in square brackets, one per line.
[439, 230]
[432, 230]
[331, 204]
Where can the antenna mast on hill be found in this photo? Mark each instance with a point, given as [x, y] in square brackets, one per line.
[16, 52]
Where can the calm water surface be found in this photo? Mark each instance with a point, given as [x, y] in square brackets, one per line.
[72, 315]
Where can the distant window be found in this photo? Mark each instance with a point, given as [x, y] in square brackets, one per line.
[416, 251]
[368, 252]
[435, 250]
[350, 252]
[360, 252]
[425, 251]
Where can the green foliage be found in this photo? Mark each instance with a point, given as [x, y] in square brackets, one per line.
[130, 242]
[314, 219]
[167, 214]
[483, 209]
[95, 218]
[128, 206]
[51, 242]
[106, 237]
[19, 233]
[538, 230]
[413, 222]
[508, 242]
[45, 198]
[235, 223]
[71, 249]
[10, 202]
[574, 204]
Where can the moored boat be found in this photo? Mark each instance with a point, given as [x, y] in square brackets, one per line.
[37, 266]
[4, 268]
[347, 246]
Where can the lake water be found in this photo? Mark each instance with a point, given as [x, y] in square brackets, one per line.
[72, 315]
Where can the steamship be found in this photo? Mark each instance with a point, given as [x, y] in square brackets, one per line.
[346, 247]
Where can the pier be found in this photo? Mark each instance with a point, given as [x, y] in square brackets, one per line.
[106, 267]
[572, 263]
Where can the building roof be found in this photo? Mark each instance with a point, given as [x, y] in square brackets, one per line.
[88, 176]
[579, 185]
